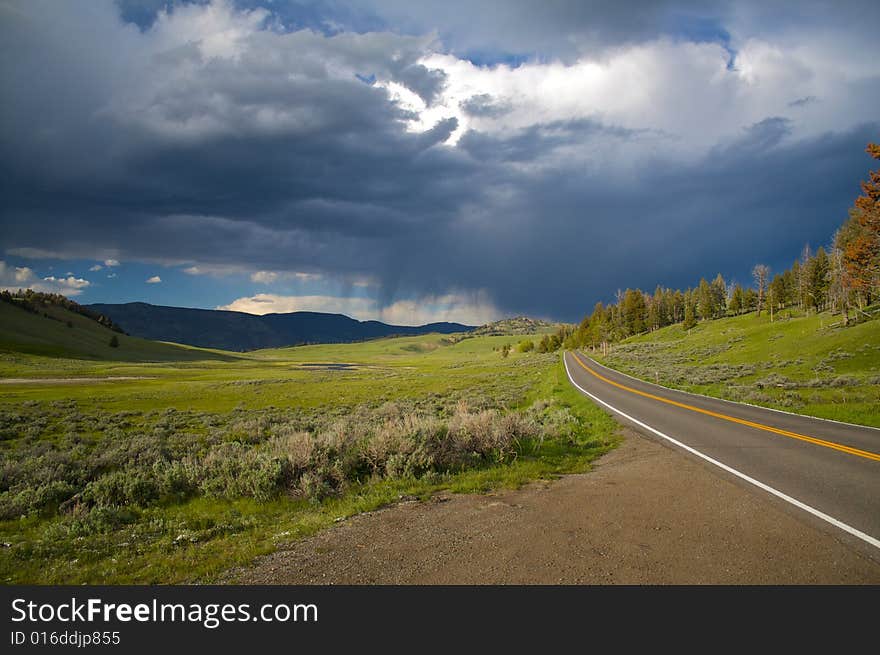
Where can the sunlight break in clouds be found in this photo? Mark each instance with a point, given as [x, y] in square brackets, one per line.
[472, 309]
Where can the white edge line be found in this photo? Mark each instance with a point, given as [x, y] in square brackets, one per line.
[815, 512]
[725, 400]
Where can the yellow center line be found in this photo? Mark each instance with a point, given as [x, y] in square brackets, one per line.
[760, 426]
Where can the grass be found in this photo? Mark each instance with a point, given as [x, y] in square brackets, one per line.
[197, 466]
[58, 333]
[803, 364]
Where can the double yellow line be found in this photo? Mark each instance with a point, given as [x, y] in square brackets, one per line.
[760, 426]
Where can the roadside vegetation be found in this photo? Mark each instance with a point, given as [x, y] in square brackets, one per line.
[174, 471]
[808, 364]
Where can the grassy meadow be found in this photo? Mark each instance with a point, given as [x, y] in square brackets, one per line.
[166, 464]
[806, 364]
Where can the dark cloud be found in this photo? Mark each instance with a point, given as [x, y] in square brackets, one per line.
[565, 239]
[279, 157]
[803, 102]
[484, 105]
[760, 137]
[537, 141]
[424, 82]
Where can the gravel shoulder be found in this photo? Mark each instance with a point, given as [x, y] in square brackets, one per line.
[645, 514]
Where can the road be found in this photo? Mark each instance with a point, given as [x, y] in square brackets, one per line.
[829, 471]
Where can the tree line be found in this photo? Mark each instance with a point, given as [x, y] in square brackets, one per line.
[845, 279]
[36, 302]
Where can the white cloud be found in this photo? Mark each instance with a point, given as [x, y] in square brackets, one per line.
[154, 280]
[264, 277]
[23, 277]
[270, 303]
[216, 270]
[307, 277]
[270, 277]
[684, 93]
[111, 263]
[23, 274]
[96, 267]
[111, 275]
[70, 282]
[471, 309]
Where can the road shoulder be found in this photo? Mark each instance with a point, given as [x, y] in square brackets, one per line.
[645, 514]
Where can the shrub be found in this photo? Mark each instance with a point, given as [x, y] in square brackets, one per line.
[297, 446]
[43, 497]
[176, 479]
[232, 470]
[80, 463]
[122, 488]
[99, 520]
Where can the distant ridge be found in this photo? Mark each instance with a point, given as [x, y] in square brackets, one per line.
[518, 325]
[238, 331]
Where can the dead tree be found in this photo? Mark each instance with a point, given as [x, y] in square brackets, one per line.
[761, 273]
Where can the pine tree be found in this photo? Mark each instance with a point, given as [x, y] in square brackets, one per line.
[737, 300]
[704, 300]
[690, 317]
[776, 293]
[634, 312]
[678, 306]
[819, 268]
[750, 299]
[719, 296]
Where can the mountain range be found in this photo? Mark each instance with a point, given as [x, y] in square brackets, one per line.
[238, 331]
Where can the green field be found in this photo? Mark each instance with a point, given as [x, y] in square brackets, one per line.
[202, 460]
[804, 364]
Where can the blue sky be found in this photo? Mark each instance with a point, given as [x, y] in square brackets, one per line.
[426, 161]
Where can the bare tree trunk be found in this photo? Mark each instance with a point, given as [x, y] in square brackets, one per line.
[761, 274]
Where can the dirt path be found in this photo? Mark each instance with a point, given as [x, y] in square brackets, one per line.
[109, 378]
[646, 514]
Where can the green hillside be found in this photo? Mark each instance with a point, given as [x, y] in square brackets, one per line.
[804, 364]
[55, 331]
[519, 325]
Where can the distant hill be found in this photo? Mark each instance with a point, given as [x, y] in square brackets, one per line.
[53, 326]
[519, 325]
[237, 331]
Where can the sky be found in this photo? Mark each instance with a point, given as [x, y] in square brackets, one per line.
[418, 162]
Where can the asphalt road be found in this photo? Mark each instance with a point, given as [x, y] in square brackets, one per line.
[829, 471]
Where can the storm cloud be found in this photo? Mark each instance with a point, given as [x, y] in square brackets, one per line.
[686, 140]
